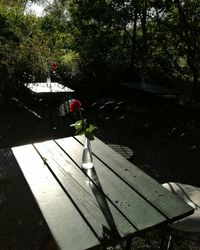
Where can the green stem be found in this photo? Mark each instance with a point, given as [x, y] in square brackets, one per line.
[84, 123]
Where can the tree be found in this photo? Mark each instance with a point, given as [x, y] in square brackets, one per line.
[108, 40]
[176, 48]
[23, 50]
[188, 14]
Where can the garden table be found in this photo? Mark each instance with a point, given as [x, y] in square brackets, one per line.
[53, 96]
[51, 92]
[99, 207]
[45, 88]
[152, 89]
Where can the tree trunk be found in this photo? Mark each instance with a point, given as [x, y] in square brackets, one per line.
[144, 34]
[188, 39]
[133, 40]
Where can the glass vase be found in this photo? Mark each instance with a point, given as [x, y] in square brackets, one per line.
[48, 81]
[87, 160]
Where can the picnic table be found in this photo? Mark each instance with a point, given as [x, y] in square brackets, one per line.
[99, 207]
[151, 88]
[51, 87]
[54, 95]
[50, 93]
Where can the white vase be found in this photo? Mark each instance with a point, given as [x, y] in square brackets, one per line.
[87, 160]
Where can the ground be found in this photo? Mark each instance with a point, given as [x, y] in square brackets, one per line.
[163, 136]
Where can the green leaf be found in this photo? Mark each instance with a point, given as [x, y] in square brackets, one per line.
[79, 127]
[89, 132]
[78, 124]
[89, 135]
[91, 128]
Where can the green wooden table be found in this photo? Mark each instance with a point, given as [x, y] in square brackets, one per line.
[94, 208]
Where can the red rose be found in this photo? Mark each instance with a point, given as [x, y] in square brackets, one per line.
[74, 105]
[54, 65]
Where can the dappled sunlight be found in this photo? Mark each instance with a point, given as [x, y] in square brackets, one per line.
[37, 8]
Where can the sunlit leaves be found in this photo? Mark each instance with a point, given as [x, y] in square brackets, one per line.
[89, 132]
[81, 128]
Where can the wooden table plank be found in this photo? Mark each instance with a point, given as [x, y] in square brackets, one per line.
[56, 206]
[97, 209]
[137, 210]
[141, 182]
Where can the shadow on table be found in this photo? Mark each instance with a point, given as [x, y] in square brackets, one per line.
[112, 233]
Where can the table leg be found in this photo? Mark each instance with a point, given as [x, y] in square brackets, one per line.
[128, 244]
[165, 238]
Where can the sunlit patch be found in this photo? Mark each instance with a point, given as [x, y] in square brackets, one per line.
[35, 9]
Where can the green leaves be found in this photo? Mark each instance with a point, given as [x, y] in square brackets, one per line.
[80, 127]
[89, 132]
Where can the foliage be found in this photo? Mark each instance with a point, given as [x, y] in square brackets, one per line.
[23, 47]
[176, 47]
[149, 38]
[60, 45]
[104, 42]
[29, 45]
